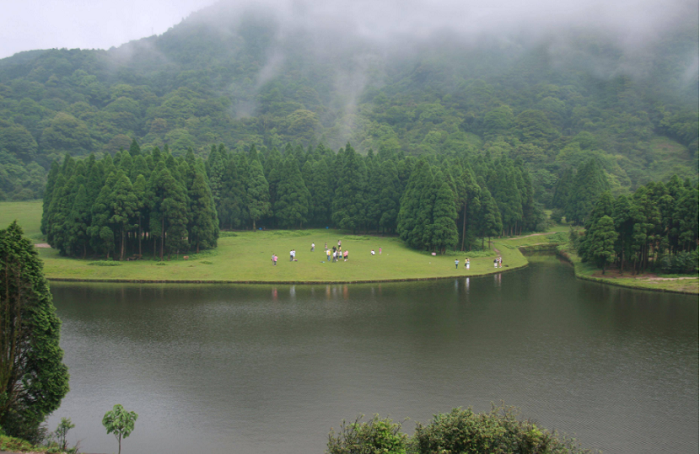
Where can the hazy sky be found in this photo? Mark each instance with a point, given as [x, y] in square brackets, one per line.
[44, 24]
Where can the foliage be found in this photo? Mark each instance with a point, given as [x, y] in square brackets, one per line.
[61, 432]
[209, 80]
[376, 436]
[119, 422]
[33, 378]
[655, 228]
[500, 431]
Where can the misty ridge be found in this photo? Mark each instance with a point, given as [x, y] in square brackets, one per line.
[365, 40]
[550, 83]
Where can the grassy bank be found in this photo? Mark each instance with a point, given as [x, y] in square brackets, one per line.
[660, 283]
[245, 257]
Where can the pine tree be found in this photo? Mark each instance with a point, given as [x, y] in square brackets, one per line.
[490, 217]
[124, 209]
[588, 184]
[33, 378]
[444, 228]
[350, 195]
[48, 192]
[203, 224]
[258, 192]
[603, 236]
[389, 195]
[80, 217]
[292, 205]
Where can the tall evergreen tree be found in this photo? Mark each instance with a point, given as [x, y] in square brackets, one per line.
[203, 226]
[258, 192]
[33, 378]
[350, 197]
[292, 205]
[444, 213]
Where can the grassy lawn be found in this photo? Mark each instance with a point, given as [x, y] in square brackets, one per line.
[245, 256]
[28, 214]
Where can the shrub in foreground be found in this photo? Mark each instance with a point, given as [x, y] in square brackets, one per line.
[376, 436]
[500, 431]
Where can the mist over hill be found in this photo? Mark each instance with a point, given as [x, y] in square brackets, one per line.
[553, 85]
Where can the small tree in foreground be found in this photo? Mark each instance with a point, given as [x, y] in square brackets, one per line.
[119, 422]
[61, 433]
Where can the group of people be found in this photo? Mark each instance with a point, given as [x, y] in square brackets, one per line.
[497, 263]
[467, 264]
[335, 254]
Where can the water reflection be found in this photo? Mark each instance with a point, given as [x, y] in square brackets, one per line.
[263, 369]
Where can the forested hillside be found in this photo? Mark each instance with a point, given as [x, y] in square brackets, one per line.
[241, 79]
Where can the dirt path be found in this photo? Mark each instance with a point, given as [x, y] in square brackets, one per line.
[532, 234]
[664, 278]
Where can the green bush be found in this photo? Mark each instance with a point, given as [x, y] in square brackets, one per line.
[499, 431]
[377, 436]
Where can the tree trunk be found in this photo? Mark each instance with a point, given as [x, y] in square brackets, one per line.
[140, 233]
[121, 256]
[162, 237]
[464, 225]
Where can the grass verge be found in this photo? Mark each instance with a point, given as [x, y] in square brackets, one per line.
[659, 283]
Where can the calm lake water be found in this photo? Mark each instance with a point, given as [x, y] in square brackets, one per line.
[269, 369]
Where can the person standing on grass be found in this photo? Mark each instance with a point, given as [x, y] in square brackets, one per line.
[372, 252]
[274, 259]
[456, 263]
[380, 250]
[466, 264]
[345, 254]
[328, 254]
[338, 243]
[313, 246]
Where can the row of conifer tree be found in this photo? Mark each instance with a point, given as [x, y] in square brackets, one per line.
[130, 205]
[432, 202]
[141, 203]
[655, 228]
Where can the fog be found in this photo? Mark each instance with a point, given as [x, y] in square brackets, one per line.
[38, 24]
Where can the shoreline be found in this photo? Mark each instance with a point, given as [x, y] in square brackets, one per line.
[554, 249]
[258, 282]
[579, 275]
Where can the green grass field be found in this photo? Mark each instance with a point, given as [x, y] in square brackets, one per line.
[245, 257]
[28, 214]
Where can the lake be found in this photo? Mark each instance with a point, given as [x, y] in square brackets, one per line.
[270, 369]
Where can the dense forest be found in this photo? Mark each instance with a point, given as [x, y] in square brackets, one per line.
[551, 103]
[151, 201]
[655, 228]
[102, 206]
